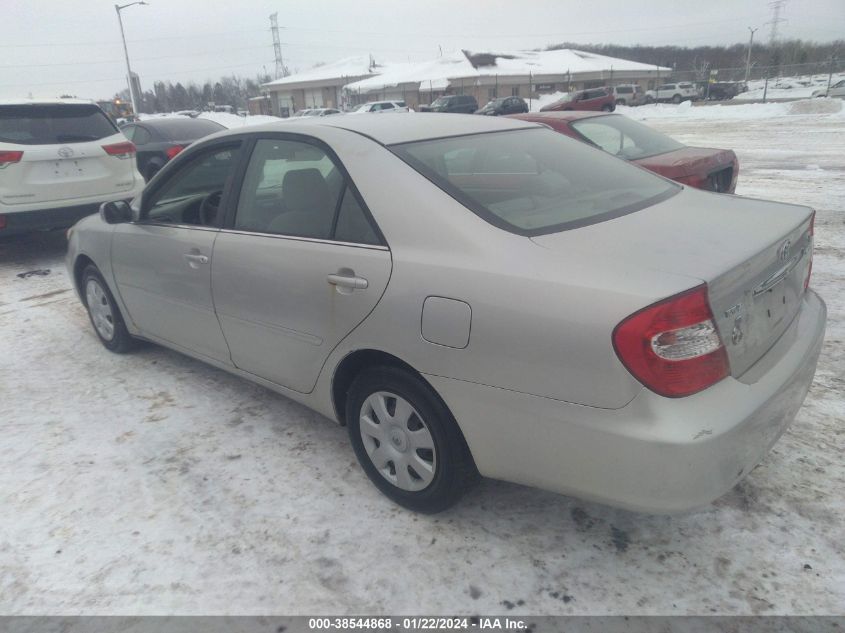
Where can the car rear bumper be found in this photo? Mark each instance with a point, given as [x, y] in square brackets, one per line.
[19, 222]
[655, 454]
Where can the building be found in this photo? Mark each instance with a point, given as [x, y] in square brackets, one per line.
[318, 87]
[528, 74]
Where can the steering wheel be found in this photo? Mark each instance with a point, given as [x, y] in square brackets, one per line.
[209, 207]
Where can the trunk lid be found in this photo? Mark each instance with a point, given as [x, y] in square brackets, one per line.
[754, 256]
[64, 172]
[688, 161]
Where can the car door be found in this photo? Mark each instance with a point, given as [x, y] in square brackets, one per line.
[162, 261]
[299, 264]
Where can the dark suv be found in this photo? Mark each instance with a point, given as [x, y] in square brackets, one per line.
[452, 103]
[504, 105]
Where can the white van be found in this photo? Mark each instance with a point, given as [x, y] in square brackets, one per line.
[59, 160]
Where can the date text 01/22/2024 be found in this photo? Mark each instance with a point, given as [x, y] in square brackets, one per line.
[418, 624]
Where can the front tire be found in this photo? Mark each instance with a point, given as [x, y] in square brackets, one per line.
[607, 108]
[676, 99]
[406, 440]
[104, 314]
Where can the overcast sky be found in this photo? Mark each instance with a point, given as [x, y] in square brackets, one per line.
[50, 47]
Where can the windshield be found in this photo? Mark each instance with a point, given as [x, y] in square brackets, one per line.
[50, 124]
[623, 137]
[534, 181]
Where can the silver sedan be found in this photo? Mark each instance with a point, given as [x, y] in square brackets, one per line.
[472, 295]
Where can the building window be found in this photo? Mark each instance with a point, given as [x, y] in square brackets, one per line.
[491, 93]
[515, 91]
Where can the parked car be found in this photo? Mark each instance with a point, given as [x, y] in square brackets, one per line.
[452, 103]
[836, 90]
[628, 95]
[380, 107]
[592, 99]
[59, 160]
[322, 112]
[159, 140]
[673, 92]
[504, 105]
[722, 90]
[701, 167]
[300, 113]
[535, 308]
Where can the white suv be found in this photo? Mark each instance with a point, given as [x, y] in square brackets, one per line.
[673, 92]
[379, 107]
[59, 160]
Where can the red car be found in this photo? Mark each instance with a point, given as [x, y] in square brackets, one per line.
[597, 99]
[701, 167]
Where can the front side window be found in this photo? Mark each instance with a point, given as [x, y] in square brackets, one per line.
[624, 137]
[534, 181]
[294, 188]
[192, 196]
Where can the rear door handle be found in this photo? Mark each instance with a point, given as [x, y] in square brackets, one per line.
[348, 281]
[195, 259]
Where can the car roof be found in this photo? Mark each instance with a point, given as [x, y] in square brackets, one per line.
[397, 128]
[47, 102]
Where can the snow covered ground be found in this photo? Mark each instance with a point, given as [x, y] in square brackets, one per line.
[787, 87]
[151, 483]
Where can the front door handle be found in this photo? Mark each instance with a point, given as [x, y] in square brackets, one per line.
[195, 259]
[347, 281]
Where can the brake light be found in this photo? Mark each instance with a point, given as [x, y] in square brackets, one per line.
[2, 222]
[672, 346]
[810, 240]
[173, 151]
[9, 157]
[120, 150]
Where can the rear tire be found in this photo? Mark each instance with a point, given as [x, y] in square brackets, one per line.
[410, 445]
[649, 99]
[676, 99]
[104, 314]
[621, 102]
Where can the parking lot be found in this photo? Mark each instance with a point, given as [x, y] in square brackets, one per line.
[151, 483]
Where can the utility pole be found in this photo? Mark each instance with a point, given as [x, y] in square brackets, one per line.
[748, 59]
[277, 46]
[118, 8]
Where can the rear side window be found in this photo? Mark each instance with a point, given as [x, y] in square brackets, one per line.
[294, 188]
[534, 181]
[51, 124]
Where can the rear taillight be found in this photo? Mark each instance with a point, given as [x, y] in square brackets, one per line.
[120, 150]
[2, 222]
[9, 157]
[810, 240]
[172, 151]
[672, 346]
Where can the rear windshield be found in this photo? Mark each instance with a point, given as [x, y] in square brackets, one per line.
[624, 137]
[187, 130]
[50, 124]
[534, 181]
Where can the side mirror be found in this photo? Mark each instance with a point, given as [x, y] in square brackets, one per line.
[117, 212]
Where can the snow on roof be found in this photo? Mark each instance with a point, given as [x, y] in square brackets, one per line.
[347, 67]
[555, 62]
[431, 74]
[437, 74]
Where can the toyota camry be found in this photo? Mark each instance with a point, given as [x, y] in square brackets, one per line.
[472, 295]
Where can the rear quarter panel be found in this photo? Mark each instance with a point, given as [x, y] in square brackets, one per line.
[541, 322]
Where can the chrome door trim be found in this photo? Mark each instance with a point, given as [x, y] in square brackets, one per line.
[315, 240]
[196, 227]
